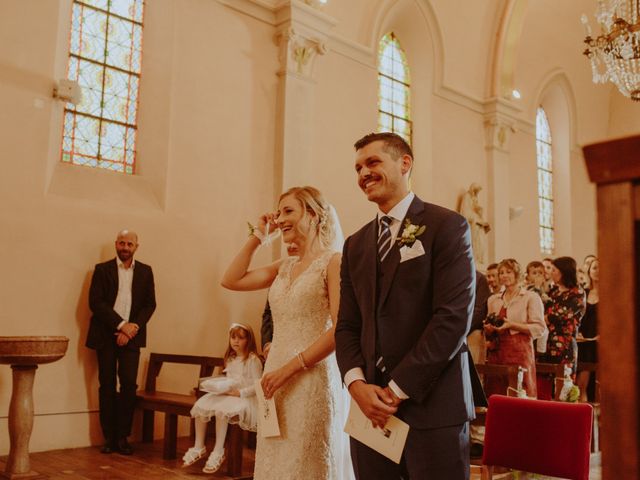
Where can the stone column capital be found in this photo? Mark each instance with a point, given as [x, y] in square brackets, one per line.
[298, 52]
[498, 132]
[500, 120]
[302, 33]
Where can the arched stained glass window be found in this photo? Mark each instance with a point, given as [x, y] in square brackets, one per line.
[394, 112]
[105, 54]
[545, 182]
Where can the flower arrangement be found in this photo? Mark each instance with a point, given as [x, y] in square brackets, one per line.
[573, 395]
[410, 233]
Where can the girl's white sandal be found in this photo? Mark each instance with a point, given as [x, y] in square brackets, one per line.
[214, 462]
[192, 455]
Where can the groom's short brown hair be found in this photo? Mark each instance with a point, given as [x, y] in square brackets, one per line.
[394, 144]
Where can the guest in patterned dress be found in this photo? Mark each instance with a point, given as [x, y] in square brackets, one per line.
[515, 319]
[588, 335]
[564, 311]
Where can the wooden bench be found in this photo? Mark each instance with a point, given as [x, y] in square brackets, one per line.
[555, 371]
[172, 404]
[510, 374]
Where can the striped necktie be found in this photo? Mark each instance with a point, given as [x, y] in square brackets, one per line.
[384, 237]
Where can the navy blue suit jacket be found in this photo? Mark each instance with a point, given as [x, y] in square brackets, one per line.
[424, 311]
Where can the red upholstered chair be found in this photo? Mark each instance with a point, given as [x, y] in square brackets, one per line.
[537, 436]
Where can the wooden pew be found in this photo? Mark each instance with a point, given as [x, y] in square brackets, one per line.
[554, 370]
[509, 372]
[595, 434]
[150, 400]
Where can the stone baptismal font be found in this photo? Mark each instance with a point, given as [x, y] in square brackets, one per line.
[24, 354]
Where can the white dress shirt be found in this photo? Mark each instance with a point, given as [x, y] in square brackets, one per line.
[122, 305]
[397, 214]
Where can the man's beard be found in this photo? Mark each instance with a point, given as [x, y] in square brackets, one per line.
[124, 256]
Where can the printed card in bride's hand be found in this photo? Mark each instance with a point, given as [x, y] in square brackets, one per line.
[267, 416]
[388, 441]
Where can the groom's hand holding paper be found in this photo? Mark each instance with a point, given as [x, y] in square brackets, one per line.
[374, 402]
[388, 440]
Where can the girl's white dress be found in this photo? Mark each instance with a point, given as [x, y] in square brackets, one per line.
[242, 410]
[309, 406]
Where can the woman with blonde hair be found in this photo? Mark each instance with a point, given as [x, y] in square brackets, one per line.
[515, 318]
[301, 372]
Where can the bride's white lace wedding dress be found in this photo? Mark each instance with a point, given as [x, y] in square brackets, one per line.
[310, 405]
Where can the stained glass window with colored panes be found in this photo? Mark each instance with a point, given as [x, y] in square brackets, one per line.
[545, 182]
[394, 112]
[105, 55]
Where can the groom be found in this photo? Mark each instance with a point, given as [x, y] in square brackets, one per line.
[407, 292]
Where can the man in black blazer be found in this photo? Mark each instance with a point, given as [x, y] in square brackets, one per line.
[122, 299]
[407, 295]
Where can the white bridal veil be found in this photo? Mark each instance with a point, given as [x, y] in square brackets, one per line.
[338, 239]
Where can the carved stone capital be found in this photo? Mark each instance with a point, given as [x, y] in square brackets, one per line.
[298, 52]
[500, 118]
[498, 132]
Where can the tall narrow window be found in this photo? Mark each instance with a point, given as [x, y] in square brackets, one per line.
[545, 182]
[394, 114]
[104, 58]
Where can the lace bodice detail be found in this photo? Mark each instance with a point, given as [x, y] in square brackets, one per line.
[300, 308]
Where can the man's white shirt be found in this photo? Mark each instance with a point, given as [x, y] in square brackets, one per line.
[122, 305]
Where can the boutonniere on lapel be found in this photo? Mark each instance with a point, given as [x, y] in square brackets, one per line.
[410, 246]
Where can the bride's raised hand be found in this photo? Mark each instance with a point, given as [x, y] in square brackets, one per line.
[239, 276]
[267, 228]
[269, 219]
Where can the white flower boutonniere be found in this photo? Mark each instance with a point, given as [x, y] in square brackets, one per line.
[410, 233]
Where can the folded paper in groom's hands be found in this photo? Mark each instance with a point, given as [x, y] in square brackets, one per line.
[388, 441]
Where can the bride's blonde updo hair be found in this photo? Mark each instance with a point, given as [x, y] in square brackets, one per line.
[313, 202]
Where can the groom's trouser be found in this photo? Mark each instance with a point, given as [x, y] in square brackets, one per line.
[434, 454]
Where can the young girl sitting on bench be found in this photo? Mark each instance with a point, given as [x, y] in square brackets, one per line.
[231, 399]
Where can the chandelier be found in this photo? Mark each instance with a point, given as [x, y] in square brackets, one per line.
[615, 53]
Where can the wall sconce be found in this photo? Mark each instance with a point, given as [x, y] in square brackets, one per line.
[68, 91]
[515, 212]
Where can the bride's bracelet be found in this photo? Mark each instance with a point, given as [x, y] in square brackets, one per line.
[302, 362]
[253, 230]
[264, 238]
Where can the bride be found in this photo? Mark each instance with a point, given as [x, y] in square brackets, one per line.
[301, 371]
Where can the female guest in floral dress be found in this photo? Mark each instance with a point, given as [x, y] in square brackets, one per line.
[515, 319]
[588, 334]
[564, 311]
